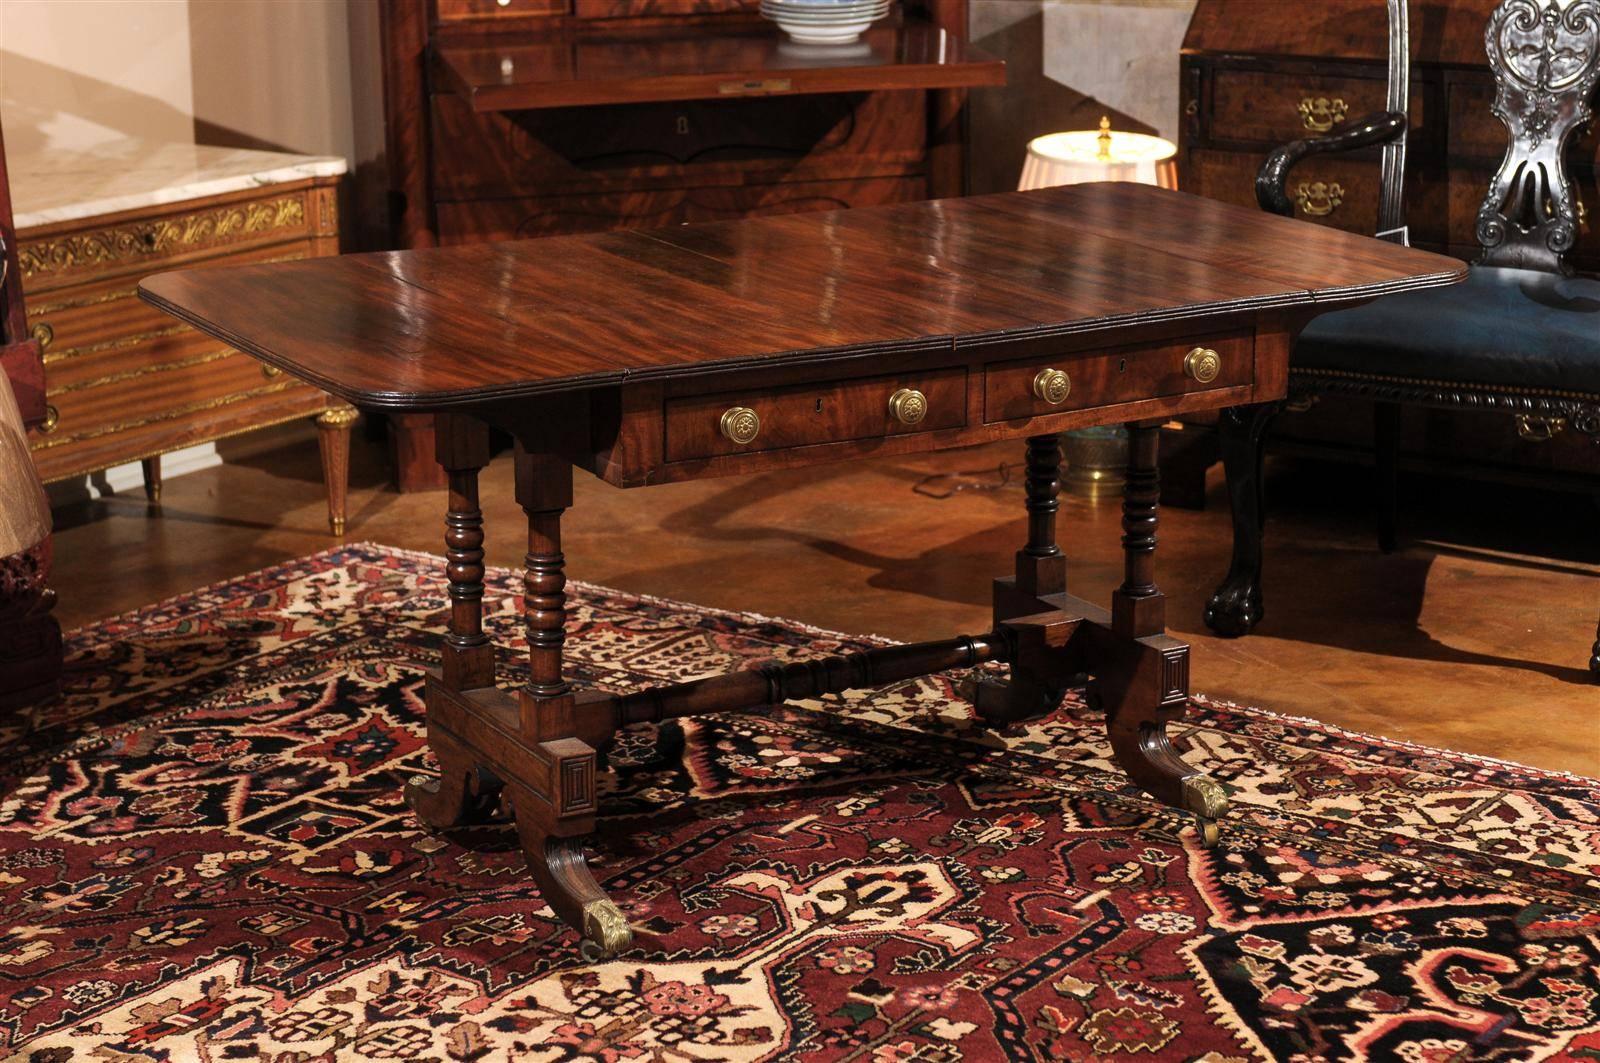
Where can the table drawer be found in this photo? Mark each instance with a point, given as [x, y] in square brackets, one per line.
[1012, 389]
[810, 414]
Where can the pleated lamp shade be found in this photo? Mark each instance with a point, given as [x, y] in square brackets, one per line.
[24, 509]
[1087, 155]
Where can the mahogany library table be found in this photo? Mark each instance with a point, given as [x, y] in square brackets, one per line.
[737, 347]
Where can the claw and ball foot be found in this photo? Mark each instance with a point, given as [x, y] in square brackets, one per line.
[1236, 608]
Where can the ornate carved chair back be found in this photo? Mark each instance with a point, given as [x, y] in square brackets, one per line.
[1546, 61]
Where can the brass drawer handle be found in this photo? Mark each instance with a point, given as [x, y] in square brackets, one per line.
[1320, 114]
[1202, 365]
[1052, 386]
[740, 424]
[908, 406]
[1318, 199]
[270, 371]
[44, 333]
[52, 417]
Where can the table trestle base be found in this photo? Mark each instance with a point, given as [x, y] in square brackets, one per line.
[536, 752]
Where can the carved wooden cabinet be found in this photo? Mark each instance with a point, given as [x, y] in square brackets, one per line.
[519, 118]
[1256, 75]
[124, 382]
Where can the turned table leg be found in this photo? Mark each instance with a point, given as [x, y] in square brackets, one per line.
[1041, 570]
[466, 790]
[551, 825]
[1145, 692]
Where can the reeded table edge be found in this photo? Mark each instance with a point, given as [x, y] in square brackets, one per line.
[406, 402]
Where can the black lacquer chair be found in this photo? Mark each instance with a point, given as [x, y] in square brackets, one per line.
[1520, 337]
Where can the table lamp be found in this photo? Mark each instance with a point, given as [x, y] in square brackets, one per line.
[1088, 155]
[1097, 458]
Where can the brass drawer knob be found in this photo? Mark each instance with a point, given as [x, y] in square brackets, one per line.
[908, 406]
[52, 417]
[270, 371]
[1052, 386]
[740, 424]
[1202, 365]
[44, 333]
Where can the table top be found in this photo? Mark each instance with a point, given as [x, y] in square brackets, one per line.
[49, 187]
[450, 327]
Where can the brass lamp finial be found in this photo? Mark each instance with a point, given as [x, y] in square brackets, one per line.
[1105, 137]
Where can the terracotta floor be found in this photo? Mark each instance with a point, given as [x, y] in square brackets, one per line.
[1472, 638]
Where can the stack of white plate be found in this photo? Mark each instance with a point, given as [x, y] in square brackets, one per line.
[824, 21]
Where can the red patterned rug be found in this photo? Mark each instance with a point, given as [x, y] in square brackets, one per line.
[204, 856]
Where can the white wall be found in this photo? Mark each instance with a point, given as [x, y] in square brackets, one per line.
[77, 74]
[285, 75]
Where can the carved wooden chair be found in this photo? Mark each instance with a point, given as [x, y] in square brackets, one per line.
[1520, 337]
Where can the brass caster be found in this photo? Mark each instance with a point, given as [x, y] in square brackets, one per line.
[1205, 797]
[336, 525]
[605, 931]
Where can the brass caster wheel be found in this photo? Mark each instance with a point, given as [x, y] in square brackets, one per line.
[605, 931]
[1206, 798]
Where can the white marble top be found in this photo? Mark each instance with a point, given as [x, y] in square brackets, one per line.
[57, 186]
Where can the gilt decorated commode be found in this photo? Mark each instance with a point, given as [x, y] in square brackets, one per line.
[651, 357]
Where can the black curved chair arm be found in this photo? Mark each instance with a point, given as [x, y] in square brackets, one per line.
[1272, 179]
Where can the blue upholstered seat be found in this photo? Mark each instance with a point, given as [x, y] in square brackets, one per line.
[1513, 327]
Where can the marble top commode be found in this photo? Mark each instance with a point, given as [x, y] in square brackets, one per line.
[60, 186]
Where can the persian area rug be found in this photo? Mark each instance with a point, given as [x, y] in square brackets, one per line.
[204, 856]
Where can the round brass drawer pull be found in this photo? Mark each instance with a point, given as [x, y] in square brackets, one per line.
[1052, 386]
[270, 371]
[52, 417]
[44, 333]
[1202, 365]
[740, 424]
[908, 406]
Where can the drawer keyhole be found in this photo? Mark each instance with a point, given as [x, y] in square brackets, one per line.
[683, 125]
[1122, 365]
[819, 405]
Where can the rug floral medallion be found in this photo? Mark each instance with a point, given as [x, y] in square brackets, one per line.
[204, 856]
